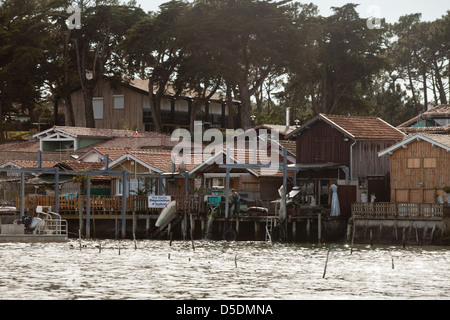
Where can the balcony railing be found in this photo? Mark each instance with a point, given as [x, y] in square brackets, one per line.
[398, 210]
[189, 204]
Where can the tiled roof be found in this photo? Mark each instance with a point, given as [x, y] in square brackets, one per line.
[98, 133]
[282, 129]
[291, 146]
[142, 141]
[435, 130]
[32, 164]
[370, 128]
[366, 127]
[24, 146]
[440, 140]
[74, 165]
[443, 139]
[170, 90]
[157, 159]
[442, 110]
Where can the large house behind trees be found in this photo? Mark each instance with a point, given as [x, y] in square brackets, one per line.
[127, 105]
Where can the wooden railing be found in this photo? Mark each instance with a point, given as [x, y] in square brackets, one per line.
[97, 203]
[398, 210]
[189, 204]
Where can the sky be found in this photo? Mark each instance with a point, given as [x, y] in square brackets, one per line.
[391, 10]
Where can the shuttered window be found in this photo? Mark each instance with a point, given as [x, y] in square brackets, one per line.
[97, 104]
[429, 163]
[119, 101]
[413, 163]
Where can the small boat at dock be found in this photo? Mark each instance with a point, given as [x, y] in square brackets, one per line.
[45, 226]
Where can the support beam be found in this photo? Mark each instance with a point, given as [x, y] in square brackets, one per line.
[56, 209]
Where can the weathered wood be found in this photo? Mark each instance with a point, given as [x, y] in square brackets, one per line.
[398, 210]
[417, 170]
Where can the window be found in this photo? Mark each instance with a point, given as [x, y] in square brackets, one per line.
[119, 101]
[429, 163]
[137, 186]
[97, 104]
[414, 163]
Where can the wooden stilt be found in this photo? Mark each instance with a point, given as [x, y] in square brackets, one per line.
[308, 230]
[319, 227]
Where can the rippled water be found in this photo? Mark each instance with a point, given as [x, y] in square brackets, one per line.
[220, 270]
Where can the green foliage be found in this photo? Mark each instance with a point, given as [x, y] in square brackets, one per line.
[269, 55]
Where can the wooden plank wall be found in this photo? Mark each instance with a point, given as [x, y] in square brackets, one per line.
[417, 170]
[366, 161]
[321, 143]
[131, 115]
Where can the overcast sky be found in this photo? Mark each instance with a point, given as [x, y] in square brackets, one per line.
[391, 10]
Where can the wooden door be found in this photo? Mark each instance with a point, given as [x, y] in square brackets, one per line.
[347, 196]
[379, 185]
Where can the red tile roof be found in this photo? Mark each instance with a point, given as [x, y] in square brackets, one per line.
[33, 164]
[367, 127]
[370, 128]
[438, 111]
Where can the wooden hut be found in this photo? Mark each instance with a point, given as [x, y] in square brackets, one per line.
[343, 150]
[420, 168]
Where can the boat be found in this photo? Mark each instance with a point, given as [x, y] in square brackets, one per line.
[7, 210]
[167, 214]
[46, 226]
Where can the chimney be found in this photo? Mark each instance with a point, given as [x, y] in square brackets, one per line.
[287, 118]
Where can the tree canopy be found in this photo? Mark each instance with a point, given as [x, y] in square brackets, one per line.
[270, 55]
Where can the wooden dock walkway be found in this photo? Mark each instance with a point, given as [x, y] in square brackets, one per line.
[399, 223]
[107, 217]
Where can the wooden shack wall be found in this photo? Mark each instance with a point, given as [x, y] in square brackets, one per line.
[366, 161]
[418, 171]
[322, 143]
[131, 115]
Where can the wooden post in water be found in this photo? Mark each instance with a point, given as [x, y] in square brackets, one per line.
[22, 195]
[319, 227]
[88, 205]
[404, 238]
[257, 229]
[308, 230]
[147, 226]
[294, 230]
[192, 224]
[124, 203]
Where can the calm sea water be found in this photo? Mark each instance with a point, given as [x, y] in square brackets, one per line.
[127, 270]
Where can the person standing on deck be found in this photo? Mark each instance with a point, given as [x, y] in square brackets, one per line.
[236, 197]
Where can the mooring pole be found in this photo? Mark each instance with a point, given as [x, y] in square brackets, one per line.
[227, 184]
[124, 203]
[22, 194]
[88, 205]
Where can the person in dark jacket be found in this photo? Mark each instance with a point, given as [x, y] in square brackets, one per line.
[236, 197]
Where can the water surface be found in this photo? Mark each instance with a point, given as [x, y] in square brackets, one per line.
[220, 270]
